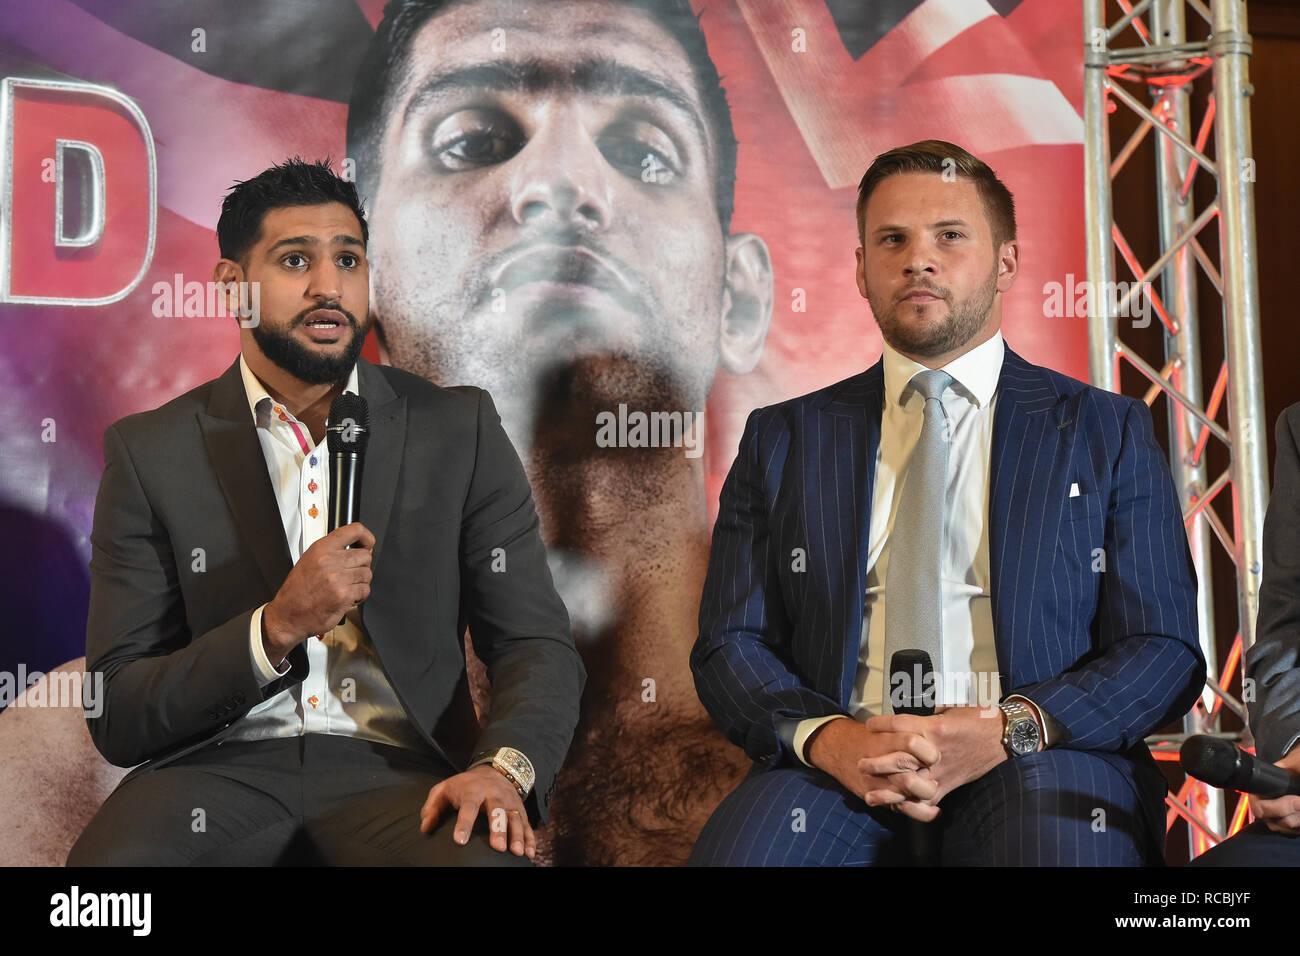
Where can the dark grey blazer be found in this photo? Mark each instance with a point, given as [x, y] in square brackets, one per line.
[1274, 662]
[443, 489]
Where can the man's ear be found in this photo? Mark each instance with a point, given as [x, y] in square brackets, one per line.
[746, 303]
[1008, 264]
[227, 271]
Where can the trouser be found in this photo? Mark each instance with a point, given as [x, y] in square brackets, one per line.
[1054, 808]
[310, 800]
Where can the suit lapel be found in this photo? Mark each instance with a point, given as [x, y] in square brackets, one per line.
[840, 479]
[236, 454]
[1023, 468]
[237, 459]
[383, 453]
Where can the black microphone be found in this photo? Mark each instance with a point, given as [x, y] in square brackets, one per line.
[347, 434]
[912, 691]
[1220, 763]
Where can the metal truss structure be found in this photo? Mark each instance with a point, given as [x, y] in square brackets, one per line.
[1153, 76]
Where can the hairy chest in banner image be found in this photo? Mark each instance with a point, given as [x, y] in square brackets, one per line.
[630, 225]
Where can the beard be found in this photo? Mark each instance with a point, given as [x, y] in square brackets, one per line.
[304, 364]
[965, 318]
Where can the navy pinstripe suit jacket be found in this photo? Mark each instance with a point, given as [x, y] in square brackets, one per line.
[1111, 654]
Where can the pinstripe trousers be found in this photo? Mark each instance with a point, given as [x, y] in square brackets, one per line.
[1055, 808]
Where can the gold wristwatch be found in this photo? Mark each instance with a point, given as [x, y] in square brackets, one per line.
[512, 765]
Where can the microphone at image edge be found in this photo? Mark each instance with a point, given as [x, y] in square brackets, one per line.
[347, 435]
[1221, 764]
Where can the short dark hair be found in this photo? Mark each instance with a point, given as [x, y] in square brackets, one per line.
[936, 156]
[387, 58]
[294, 182]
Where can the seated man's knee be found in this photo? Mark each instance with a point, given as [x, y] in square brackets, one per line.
[792, 816]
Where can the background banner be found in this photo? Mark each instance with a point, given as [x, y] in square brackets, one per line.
[123, 125]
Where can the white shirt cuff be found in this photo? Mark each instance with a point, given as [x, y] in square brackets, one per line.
[262, 663]
[804, 730]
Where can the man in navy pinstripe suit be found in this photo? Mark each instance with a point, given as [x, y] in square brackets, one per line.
[1059, 581]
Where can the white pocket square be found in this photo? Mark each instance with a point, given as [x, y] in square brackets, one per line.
[1074, 489]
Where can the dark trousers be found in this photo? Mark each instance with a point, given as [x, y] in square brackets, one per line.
[1256, 845]
[1055, 808]
[311, 800]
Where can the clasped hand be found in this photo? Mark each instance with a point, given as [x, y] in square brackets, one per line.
[911, 763]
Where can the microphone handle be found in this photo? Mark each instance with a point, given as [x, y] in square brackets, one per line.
[345, 493]
[345, 489]
[922, 838]
[1264, 779]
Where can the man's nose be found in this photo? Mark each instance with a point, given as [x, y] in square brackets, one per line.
[325, 282]
[560, 175]
[920, 261]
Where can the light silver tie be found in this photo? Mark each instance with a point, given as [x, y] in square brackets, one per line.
[913, 583]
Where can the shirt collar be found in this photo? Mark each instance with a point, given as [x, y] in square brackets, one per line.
[256, 391]
[976, 372]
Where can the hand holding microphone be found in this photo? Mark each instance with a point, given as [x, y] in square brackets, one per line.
[330, 578]
[1274, 789]
[333, 575]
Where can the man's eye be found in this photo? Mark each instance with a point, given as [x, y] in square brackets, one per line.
[469, 140]
[289, 260]
[477, 149]
[348, 261]
[892, 235]
[951, 234]
[641, 151]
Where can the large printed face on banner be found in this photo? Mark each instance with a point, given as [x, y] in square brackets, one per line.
[546, 192]
[548, 214]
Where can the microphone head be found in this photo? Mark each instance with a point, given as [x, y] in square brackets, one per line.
[348, 430]
[1210, 759]
[912, 687]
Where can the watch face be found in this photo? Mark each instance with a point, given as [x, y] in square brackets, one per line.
[1024, 736]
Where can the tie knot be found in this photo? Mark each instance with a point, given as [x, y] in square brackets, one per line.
[931, 383]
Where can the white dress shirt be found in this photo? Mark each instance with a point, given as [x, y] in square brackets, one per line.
[346, 691]
[969, 654]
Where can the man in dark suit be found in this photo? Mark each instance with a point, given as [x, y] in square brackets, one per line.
[299, 695]
[1273, 668]
[1024, 530]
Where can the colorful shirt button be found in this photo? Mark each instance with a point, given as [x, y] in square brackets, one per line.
[311, 485]
[312, 511]
[313, 461]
